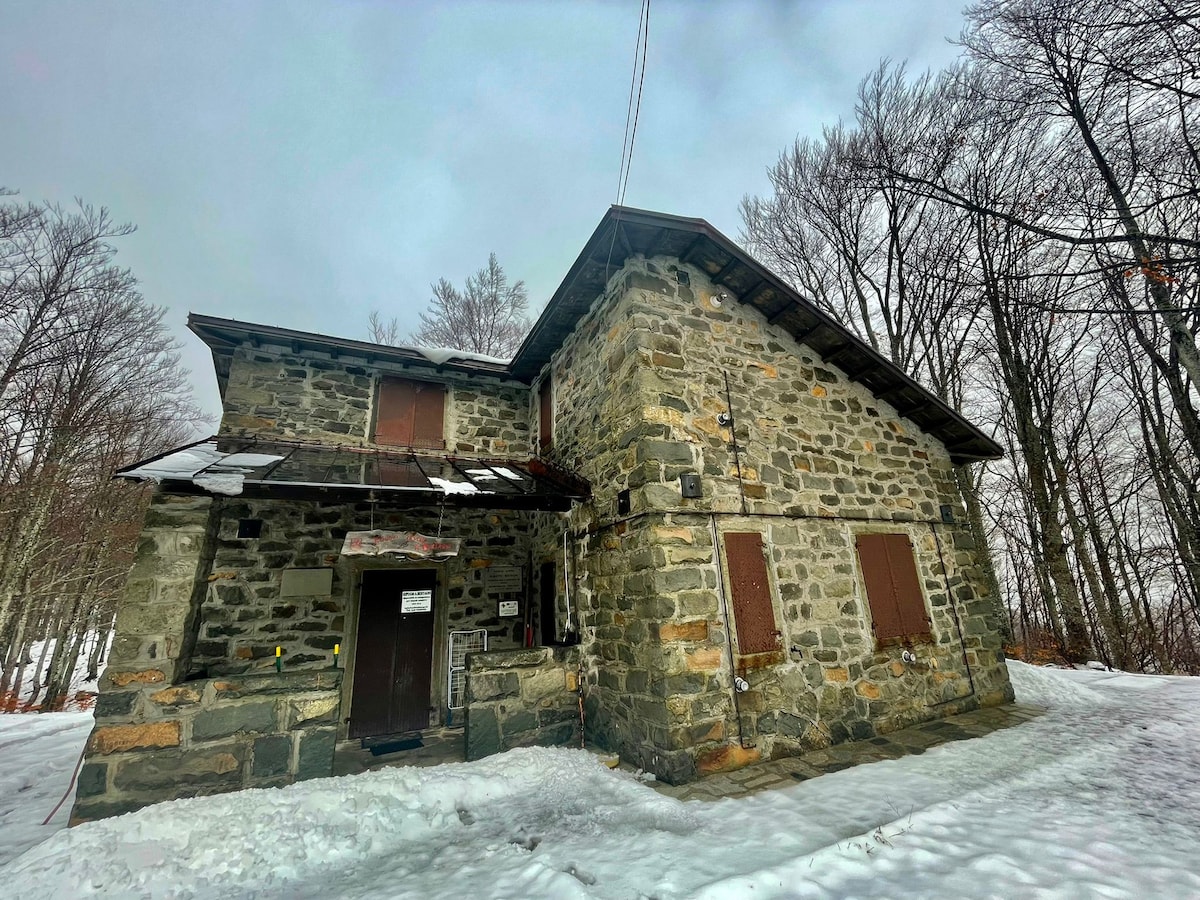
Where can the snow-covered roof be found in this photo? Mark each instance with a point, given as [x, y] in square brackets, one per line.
[234, 466]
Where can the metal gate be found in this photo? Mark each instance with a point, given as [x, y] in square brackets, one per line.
[462, 643]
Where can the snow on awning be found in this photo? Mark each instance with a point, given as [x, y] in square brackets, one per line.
[233, 466]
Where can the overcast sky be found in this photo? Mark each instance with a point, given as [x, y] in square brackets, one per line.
[300, 164]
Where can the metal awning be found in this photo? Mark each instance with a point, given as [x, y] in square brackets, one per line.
[296, 470]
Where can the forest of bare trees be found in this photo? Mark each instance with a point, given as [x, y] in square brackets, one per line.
[89, 381]
[1021, 233]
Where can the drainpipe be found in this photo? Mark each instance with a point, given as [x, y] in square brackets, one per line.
[567, 629]
[733, 675]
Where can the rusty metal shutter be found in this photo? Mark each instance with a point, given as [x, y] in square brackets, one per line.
[753, 612]
[410, 413]
[429, 412]
[394, 414]
[545, 415]
[893, 588]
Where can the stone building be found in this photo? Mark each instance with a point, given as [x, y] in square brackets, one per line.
[694, 520]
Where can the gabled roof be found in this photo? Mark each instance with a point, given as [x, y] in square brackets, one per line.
[222, 335]
[621, 234]
[626, 232]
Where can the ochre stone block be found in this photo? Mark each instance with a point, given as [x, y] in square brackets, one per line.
[868, 690]
[146, 676]
[707, 660]
[175, 696]
[116, 738]
[696, 630]
[727, 758]
[837, 673]
[668, 534]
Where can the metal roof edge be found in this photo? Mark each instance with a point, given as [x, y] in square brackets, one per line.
[221, 335]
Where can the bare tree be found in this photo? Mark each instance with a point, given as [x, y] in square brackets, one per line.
[89, 381]
[1022, 234]
[487, 316]
[383, 331]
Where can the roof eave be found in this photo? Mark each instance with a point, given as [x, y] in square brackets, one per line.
[222, 336]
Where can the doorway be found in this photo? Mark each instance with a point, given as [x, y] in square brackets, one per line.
[393, 657]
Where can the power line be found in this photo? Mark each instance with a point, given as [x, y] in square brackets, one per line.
[633, 109]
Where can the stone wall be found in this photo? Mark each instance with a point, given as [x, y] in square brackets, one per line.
[164, 741]
[156, 618]
[162, 733]
[191, 701]
[522, 698]
[600, 380]
[273, 393]
[821, 459]
[244, 617]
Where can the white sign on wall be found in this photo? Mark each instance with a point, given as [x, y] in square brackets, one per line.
[416, 601]
[510, 607]
[504, 579]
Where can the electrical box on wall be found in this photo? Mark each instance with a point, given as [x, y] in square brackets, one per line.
[689, 486]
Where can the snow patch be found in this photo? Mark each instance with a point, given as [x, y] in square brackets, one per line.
[1099, 797]
[1049, 687]
[443, 355]
[454, 487]
[229, 484]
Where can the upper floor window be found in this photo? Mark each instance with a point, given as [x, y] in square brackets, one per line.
[889, 574]
[410, 413]
[545, 415]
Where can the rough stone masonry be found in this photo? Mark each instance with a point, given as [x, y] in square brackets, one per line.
[641, 389]
[191, 703]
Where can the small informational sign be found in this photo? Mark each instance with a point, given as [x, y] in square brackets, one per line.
[504, 580]
[306, 583]
[416, 601]
[510, 608]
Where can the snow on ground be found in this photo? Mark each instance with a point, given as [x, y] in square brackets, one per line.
[1098, 798]
[37, 756]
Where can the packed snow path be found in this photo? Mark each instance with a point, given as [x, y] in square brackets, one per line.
[1099, 798]
[37, 756]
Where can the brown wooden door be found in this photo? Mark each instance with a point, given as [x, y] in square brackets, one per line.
[393, 657]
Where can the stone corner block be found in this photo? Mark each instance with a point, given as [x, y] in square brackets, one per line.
[223, 721]
[118, 738]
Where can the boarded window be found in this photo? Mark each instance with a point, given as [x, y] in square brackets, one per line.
[545, 415]
[410, 413]
[889, 573]
[753, 612]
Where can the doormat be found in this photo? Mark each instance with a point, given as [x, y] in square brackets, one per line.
[393, 746]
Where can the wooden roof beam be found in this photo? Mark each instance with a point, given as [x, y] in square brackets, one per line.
[720, 277]
[787, 308]
[686, 255]
[834, 357]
